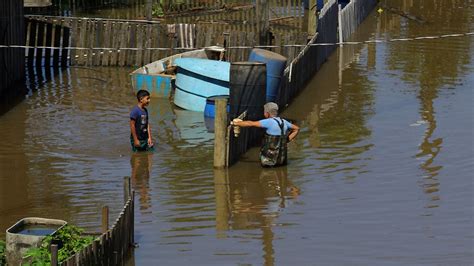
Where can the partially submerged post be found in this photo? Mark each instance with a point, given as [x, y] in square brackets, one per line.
[105, 219]
[220, 128]
[126, 189]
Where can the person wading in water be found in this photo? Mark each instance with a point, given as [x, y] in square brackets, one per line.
[278, 133]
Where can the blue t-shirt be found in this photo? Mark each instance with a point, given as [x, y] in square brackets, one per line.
[140, 116]
[272, 127]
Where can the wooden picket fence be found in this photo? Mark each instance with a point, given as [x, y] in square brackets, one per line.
[58, 41]
[48, 40]
[112, 246]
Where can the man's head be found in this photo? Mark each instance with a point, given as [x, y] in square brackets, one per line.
[270, 109]
[143, 97]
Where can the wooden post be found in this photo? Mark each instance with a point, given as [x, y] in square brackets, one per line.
[105, 219]
[132, 220]
[220, 125]
[54, 255]
[126, 189]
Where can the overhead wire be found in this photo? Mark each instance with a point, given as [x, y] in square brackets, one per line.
[111, 49]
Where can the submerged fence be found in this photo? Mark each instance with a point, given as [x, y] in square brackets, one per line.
[112, 246]
[308, 61]
[47, 33]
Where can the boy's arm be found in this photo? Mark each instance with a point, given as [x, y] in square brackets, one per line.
[136, 142]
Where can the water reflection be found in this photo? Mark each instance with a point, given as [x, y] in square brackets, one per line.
[334, 121]
[141, 164]
[434, 67]
[246, 201]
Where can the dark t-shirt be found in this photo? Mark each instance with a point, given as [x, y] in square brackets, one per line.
[141, 122]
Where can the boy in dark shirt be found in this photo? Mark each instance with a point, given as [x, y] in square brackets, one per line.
[140, 137]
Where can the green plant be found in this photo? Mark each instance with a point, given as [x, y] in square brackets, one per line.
[157, 10]
[2, 253]
[68, 238]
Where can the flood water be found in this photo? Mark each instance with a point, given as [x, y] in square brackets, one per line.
[381, 173]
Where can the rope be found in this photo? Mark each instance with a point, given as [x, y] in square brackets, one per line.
[110, 50]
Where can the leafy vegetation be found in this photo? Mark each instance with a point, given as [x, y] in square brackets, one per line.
[69, 240]
[161, 7]
[2, 252]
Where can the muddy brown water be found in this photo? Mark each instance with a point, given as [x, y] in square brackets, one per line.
[381, 173]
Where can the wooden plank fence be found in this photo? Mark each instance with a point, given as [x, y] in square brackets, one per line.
[48, 40]
[112, 246]
[101, 42]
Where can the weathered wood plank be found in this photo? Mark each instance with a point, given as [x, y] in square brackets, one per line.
[115, 43]
[40, 42]
[124, 42]
[106, 42]
[140, 45]
[33, 28]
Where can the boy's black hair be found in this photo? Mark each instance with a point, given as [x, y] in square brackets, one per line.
[141, 94]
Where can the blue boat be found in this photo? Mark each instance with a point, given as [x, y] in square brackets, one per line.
[197, 79]
[154, 78]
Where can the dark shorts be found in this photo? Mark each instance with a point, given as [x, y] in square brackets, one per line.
[143, 146]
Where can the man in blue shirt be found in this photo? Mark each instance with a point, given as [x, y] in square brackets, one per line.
[278, 133]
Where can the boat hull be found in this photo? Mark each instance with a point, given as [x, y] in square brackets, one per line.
[198, 79]
[158, 86]
[152, 78]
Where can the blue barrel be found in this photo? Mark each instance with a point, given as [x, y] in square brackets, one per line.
[276, 64]
[210, 108]
[209, 122]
